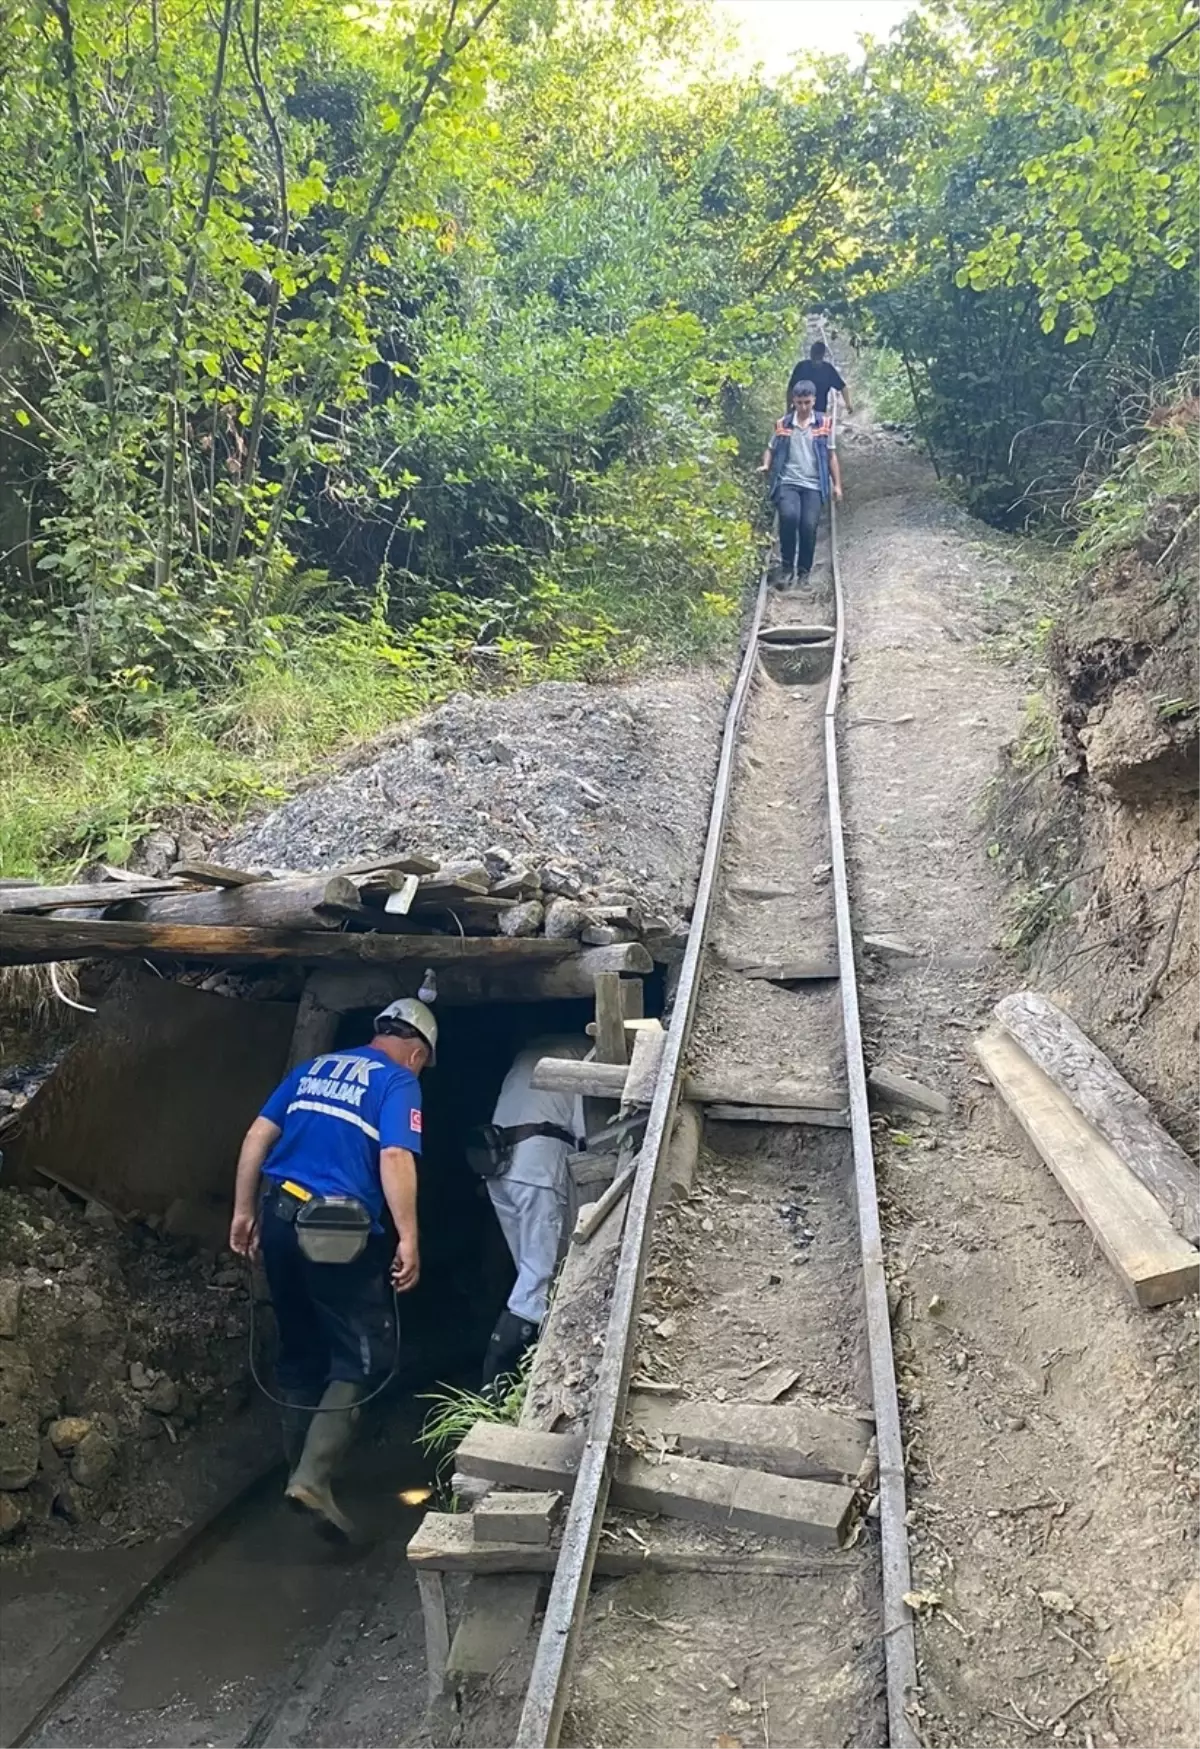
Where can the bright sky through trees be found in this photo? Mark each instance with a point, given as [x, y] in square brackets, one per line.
[772, 31]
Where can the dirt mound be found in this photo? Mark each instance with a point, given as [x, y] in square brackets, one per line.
[116, 1344]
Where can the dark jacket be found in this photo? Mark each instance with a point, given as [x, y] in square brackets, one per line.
[820, 429]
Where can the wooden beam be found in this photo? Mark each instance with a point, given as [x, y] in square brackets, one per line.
[813, 970]
[516, 1518]
[794, 1440]
[610, 1020]
[444, 1542]
[1154, 1264]
[315, 1029]
[369, 865]
[644, 1062]
[718, 1494]
[893, 1088]
[213, 874]
[808, 1114]
[432, 1592]
[678, 1165]
[591, 1079]
[1052, 1041]
[291, 902]
[35, 898]
[593, 1216]
[533, 978]
[34, 940]
[499, 1616]
[731, 1089]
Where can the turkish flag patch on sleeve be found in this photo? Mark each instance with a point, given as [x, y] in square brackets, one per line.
[414, 1120]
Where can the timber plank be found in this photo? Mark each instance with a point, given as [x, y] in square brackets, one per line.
[1080, 1070]
[592, 1079]
[33, 940]
[498, 1618]
[689, 1488]
[678, 1165]
[214, 874]
[644, 1061]
[1151, 1260]
[797, 1440]
[516, 1518]
[35, 898]
[893, 1088]
[291, 902]
[833, 1120]
[813, 970]
[749, 1090]
[444, 1542]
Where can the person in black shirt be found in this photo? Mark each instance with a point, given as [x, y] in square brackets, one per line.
[817, 370]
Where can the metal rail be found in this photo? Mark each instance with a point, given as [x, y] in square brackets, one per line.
[899, 1647]
[549, 1684]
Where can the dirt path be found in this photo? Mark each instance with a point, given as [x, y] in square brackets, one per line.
[1049, 1425]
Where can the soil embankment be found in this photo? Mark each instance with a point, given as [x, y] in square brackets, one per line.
[1049, 1425]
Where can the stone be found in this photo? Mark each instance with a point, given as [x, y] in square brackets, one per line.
[12, 1517]
[10, 1307]
[497, 860]
[523, 919]
[94, 1461]
[148, 1426]
[154, 854]
[140, 1377]
[19, 1451]
[163, 1396]
[1138, 753]
[69, 1431]
[560, 881]
[564, 919]
[96, 1215]
[498, 752]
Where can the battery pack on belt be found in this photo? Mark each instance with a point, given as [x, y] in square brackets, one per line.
[332, 1229]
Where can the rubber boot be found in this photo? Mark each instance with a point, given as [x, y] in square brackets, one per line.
[295, 1417]
[509, 1340]
[329, 1437]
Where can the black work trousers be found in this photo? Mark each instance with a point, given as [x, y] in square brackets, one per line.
[336, 1320]
[799, 510]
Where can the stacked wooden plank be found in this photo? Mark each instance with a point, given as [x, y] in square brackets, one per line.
[1138, 1191]
[203, 910]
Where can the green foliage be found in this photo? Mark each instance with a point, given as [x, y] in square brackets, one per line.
[1160, 466]
[345, 352]
[455, 1411]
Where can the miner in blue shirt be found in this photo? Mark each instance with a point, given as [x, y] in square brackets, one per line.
[335, 1147]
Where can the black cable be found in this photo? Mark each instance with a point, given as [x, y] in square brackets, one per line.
[281, 1402]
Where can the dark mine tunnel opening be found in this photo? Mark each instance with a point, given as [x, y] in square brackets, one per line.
[466, 1270]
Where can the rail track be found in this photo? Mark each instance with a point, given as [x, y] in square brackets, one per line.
[550, 1687]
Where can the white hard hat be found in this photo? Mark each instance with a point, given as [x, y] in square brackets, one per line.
[416, 1015]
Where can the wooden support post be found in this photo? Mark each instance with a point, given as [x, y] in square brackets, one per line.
[316, 1027]
[610, 1020]
[437, 1628]
[678, 1163]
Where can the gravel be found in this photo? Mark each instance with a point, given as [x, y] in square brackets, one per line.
[611, 782]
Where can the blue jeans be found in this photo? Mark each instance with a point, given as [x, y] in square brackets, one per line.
[799, 510]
